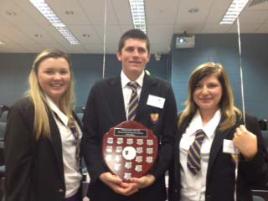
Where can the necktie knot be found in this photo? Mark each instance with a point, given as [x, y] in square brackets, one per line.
[72, 126]
[200, 135]
[133, 85]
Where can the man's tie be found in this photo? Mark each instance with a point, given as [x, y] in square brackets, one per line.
[134, 100]
[194, 156]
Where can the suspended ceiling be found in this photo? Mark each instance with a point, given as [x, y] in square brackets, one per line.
[23, 29]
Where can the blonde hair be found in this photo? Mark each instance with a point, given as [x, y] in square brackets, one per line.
[41, 120]
[227, 107]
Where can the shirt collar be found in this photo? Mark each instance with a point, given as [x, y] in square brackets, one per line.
[56, 110]
[125, 80]
[210, 126]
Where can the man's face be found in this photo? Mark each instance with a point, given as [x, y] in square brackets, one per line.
[134, 56]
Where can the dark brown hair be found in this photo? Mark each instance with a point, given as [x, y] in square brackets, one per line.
[135, 34]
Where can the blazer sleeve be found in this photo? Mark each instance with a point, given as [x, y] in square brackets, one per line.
[91, 140]
[167, 136]
[256, 170]
[18, 155]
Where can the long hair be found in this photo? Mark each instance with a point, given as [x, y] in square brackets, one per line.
[41, 120]
[226, 105]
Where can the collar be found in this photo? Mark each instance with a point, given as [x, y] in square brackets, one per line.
[125, 80]
[210, 127]
[56, 110]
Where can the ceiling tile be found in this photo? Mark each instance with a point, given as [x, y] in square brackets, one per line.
[21, 23]
[94, 10]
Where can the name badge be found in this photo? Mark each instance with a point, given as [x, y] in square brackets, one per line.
[156, 101]
[228, 147]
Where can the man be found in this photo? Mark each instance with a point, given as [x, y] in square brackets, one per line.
[107, 106]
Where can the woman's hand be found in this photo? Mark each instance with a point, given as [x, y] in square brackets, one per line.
[245, 142]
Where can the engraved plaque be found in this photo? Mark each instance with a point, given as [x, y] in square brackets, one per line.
[130, 149]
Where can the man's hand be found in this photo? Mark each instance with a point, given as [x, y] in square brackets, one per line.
[245, 142]
[117, 185]
[144, 181]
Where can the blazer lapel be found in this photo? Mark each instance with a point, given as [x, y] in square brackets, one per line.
[180, 130]
[116, 101]
[147, 85]
[56, 143]
[217, 146]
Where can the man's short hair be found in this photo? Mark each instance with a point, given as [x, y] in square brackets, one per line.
[135, 34]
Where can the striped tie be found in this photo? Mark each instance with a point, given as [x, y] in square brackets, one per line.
[194, 156]
[75, 133]
[133, 102]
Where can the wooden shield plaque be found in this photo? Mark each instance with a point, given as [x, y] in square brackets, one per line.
[130, 149]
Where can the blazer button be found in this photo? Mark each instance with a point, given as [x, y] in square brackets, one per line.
[60, 190]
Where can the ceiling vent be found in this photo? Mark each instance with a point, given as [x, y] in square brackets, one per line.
[184, 40]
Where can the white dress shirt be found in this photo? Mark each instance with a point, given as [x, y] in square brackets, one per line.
[194, 186]
[72, 175]
[127, 90]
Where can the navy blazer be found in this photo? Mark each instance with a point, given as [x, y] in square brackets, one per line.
[105, 109]
[221, 168]
[34, 169]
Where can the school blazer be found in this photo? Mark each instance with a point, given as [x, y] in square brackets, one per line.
[34, 169]
[105, 109]
[221, 168]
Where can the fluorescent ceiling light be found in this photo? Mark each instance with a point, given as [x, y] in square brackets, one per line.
[234, 11]
[138, 14]
[49, 14]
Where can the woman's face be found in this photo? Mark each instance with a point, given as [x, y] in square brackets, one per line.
[207, 94]
[54, 77]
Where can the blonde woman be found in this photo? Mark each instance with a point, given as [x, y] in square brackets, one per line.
[43, 135]
[203, 168]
